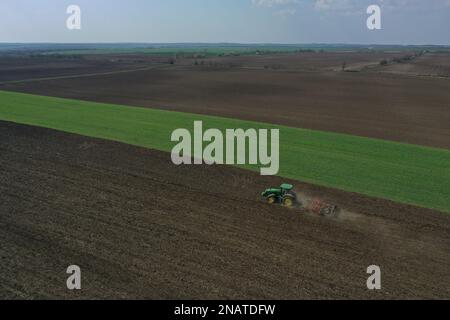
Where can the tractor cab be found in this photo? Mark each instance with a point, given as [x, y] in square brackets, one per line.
[286, 188]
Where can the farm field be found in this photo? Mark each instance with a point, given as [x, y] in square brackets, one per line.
[87, 176]
[374, 167]
[310, 61]
[34, 67]
[429, 65]
[143, 228]
[373, 104]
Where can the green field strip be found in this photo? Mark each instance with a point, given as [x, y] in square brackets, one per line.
[401, 172]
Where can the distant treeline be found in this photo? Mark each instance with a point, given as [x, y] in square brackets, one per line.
[403, 59]
[190, 49]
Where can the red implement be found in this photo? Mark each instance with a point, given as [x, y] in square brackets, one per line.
[317, 206]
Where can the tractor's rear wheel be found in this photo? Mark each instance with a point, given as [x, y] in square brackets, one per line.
[288, 202]
[271, 200]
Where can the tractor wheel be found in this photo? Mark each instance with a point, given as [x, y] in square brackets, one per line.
[288, 202]
[271, 200]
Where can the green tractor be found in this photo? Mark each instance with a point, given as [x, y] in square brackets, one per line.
[282, 195]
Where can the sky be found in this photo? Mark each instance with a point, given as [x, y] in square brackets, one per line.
[233, 21]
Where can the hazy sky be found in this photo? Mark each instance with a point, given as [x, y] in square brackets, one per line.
[245, 21]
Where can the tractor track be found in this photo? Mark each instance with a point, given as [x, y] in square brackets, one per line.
[83, 75]
[140, 227]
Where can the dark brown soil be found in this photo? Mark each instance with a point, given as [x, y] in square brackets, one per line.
[306, 61]
[139, 227]
[25, 67]
[303, 91]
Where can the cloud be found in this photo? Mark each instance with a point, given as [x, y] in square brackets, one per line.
[325, 4]
[342, 5]
[286, 12]
[273, 3]
[347, 7]
[284, 8]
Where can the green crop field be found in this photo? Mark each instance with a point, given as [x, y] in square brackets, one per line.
[401, 172]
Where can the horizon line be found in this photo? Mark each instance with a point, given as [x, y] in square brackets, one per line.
[218, 43]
